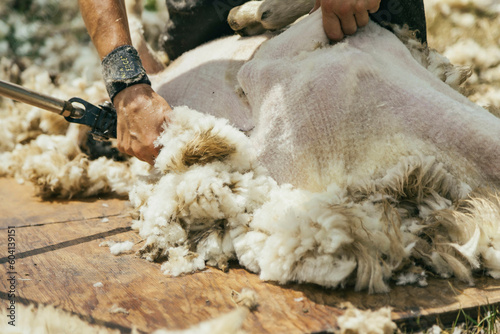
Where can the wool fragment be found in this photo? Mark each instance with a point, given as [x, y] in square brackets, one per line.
[117, 309]
[355, 321]
[121, 247]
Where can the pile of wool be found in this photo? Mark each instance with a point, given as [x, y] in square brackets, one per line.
[44, 46]
[59, 47]
[468, 33]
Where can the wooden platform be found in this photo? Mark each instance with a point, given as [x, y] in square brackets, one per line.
[58, 261]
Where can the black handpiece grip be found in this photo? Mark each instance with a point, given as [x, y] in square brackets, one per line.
[101, 120]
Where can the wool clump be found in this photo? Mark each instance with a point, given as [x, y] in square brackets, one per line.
[47, 320]
[121, 247]
[367, 322]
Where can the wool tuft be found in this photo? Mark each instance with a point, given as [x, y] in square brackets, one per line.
[355, 321]
[229, 323]
[121, 247]
[48, 320]
[117, 309]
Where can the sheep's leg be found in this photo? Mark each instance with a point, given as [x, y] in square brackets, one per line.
[150, 59]
[254, 17]
[244, 19]
[276, 14]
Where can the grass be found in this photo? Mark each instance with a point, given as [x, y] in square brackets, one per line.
[486, 321]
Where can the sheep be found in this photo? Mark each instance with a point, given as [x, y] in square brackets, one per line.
[360, 159]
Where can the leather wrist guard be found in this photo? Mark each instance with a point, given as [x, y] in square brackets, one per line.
[122, 68]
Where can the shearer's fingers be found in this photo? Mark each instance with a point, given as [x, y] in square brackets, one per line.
[145, 154]
[374, 6]
[331, 24]
[362, 18]
[348, 23]
[316, 6]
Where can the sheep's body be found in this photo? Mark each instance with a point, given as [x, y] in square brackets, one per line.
[207, 79]
[364, 151]
[385, 86]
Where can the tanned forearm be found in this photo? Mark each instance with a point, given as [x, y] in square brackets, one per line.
[141, 112]
[106, 22]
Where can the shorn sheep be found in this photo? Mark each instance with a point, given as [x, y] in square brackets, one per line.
[360, 165]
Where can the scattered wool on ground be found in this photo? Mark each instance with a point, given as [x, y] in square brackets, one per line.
[107, 243]
[48, 320]
[115, 308]
[117, 248]
[435, 329]
[356, 321]
[412, 278]
[121, 247]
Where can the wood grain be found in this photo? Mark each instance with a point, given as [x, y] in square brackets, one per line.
[59, 261]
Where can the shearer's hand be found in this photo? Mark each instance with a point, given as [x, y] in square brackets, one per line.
[343, 17]
[141, 113]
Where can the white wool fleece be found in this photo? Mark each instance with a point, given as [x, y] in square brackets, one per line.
[354, 233]
[193, 206]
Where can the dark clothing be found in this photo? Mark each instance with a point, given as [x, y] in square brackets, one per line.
[401, 12]
[192, 25]
[196, 22]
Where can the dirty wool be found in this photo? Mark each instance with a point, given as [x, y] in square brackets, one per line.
[351, 175]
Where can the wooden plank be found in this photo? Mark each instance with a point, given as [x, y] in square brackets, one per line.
[59, 261]
[20, 207]
[64, 276]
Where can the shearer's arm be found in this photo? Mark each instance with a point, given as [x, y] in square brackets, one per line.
[141, 112]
